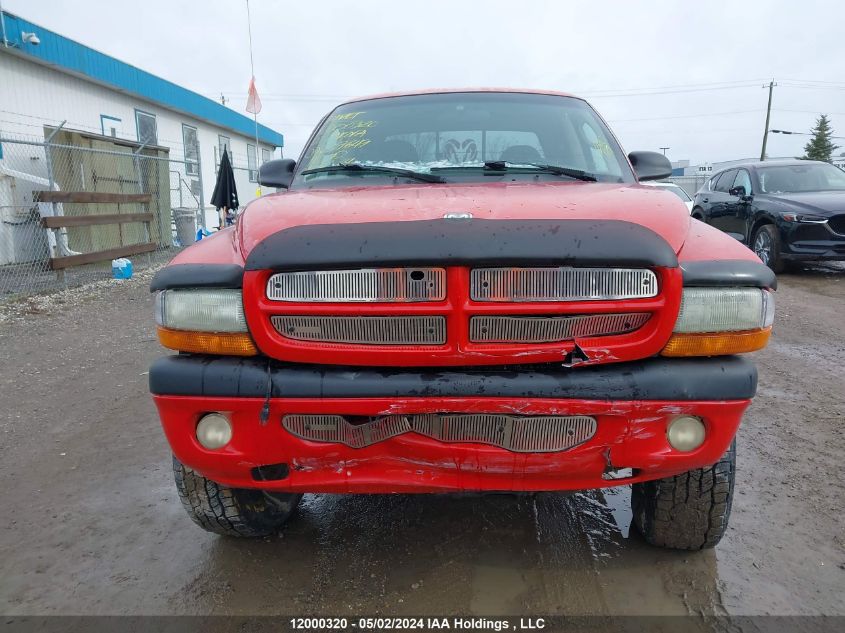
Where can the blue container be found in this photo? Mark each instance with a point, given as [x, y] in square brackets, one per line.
[121, 268]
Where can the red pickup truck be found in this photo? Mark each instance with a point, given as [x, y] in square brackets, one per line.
[461, 291]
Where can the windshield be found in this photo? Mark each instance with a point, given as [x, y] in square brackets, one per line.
[679, 192]
[801, 178]
[453, 135]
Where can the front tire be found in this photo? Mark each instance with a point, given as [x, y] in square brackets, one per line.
[689, 511]
[237, 512]
[766, 245]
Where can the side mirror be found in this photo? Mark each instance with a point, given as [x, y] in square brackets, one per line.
[650, 165]
[738, 191]
[277, 173]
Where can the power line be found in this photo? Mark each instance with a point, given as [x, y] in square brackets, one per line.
[677, 88]
[807, 111]
[817, 81]
[663, 92]
[685, 116]
[693, 85]
[810, 86]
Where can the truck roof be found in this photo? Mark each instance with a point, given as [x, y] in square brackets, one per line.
[429, 91]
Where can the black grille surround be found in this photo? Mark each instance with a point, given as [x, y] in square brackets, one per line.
[837, 224]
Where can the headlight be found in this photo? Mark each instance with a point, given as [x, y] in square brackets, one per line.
[805, 218]
[204, 321]
[718, 321]
[725, 310]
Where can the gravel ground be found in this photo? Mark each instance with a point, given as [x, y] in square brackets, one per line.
[93, 524]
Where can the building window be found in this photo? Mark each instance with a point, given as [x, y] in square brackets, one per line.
[192, 150]
[224, 143]
[251, 163]
[146, 125]
[110, 125]
[266, 154]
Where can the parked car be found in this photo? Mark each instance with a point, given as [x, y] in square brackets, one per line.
[784, 210]
[460, 291]
[678, 191]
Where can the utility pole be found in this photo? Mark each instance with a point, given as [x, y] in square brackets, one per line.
[772, 84]
[664, 150]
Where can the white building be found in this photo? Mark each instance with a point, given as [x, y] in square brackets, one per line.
[49, 79]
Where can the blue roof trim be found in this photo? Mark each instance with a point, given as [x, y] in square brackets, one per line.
[67, 54]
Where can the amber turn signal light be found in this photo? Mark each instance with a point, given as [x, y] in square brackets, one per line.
[226, 343]
[717, 343]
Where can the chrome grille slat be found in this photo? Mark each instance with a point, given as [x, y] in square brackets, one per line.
[363, 330]
[376, 285]
[522, 434]
[551, 329]
[561, 284]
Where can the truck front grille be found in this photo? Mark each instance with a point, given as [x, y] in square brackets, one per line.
[364, 330]
[382, 285]
[550, 329]
[561, 284]
[522, 434]
[486, 314]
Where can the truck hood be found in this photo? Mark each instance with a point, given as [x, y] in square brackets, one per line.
[660, 211]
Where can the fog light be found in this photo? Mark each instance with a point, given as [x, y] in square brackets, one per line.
[214, 431]
[686, 434]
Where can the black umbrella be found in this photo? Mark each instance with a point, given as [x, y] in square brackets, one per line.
[225, 194]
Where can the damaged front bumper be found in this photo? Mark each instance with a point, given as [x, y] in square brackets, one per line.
[631, 403]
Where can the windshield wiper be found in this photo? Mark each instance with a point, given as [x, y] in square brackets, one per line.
[504, 165]
[358, 167]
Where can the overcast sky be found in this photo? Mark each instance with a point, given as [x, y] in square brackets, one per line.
[680, 74]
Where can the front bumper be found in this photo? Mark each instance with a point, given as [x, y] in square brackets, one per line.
[811, 242]
[632, 403]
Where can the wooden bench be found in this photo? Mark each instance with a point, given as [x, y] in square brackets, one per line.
[94, 197]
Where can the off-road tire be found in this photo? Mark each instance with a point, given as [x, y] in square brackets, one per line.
[232, 511]
[776, 262]
[688, 511]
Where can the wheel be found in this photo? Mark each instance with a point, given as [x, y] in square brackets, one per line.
[697, 214]
[766, 245]
[688, 511]
[232, 511]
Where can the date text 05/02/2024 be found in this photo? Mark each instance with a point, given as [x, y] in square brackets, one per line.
[419, 624]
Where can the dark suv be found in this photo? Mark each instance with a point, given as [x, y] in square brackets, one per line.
[784, 210]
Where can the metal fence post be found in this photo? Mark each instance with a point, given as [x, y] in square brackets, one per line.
[136, 160]
[48, 157]
[201, 210]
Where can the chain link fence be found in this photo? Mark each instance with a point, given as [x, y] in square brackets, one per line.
[73, 202]
[690, 184]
